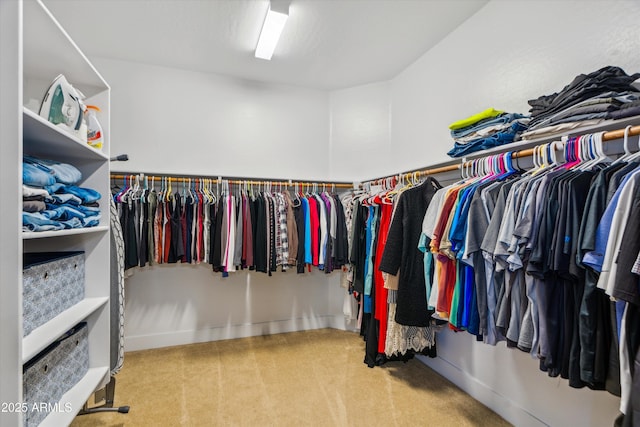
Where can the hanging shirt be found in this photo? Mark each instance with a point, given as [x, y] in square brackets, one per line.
[595, 258]
[306, 212]
[187, 227]
[292, 231]
[402, 254]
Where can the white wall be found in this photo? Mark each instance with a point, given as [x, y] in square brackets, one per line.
[510, 382]
[177, 121]
[507, 53]
[360, 132]
[504, 55]
[181, 304]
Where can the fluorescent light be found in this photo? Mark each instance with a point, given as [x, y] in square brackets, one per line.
[271, 30]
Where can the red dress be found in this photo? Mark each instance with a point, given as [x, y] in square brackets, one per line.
[381, 293]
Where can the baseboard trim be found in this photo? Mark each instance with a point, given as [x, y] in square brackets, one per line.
[168, 339]
[502, 405]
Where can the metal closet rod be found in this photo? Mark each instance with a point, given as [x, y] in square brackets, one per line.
[607, 136]
[287, 183]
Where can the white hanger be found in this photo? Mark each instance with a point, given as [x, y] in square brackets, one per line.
[625, 145]
[636, 155]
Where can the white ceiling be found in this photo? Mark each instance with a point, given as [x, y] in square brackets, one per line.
[326, 44]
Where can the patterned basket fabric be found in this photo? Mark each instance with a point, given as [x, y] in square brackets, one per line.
[53, 372]
[51, 283]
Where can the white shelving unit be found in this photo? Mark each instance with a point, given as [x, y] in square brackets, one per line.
[40, 337]
[35, 49]
[77, 396]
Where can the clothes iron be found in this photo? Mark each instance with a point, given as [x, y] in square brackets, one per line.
[62, 104]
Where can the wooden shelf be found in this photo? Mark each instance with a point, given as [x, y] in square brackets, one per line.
[75, 398]
[44, 335]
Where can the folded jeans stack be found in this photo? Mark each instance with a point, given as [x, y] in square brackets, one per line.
[487, 129]
[52, 201]
[606, 94]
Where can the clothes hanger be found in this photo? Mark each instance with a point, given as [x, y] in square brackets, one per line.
[118, 197]
[586, 152]
[145, 188]
[168, 195]
[599, 149]
[127, 193]
[135, 193]
[297, 192]
[505, 165]
[470, 170]
[550, 158]
[203, 190]
[477, 168]
[625, 147]
[152, 188]
[636, 155]
[569, 153]
[395, 183]
[389, 184]
[114, 187]
[165, 189]
[193, 189]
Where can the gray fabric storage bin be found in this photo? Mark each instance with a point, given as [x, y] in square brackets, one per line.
[51, 283]
[53, 372]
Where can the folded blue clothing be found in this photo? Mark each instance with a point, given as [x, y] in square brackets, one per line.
[54, 188]
[68, 211]
[62, 172]
[500, 138]
[481, 144]
[35, 221]
[86, 195]
[35, 176]
[66, 198]
[62, 212]
[91, 221]
[504, 118]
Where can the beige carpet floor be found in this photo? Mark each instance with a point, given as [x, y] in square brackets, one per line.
[312, 378]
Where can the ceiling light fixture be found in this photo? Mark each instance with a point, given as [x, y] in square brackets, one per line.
[271, 29]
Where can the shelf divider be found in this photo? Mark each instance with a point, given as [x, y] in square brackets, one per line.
[44, 335]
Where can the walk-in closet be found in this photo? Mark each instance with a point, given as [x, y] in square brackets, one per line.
[317, 212]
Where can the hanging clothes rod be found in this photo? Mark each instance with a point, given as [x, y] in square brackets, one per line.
[607, 136]
[236, 181]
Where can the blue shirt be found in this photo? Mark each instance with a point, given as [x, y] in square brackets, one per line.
[308, 256]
